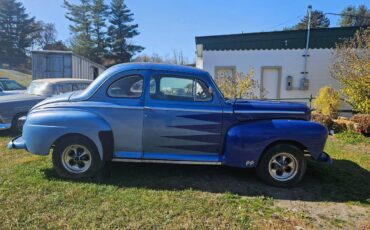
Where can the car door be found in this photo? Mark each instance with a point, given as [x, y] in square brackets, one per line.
[182, 119]
[125, 113]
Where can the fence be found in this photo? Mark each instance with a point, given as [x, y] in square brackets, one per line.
[308, 101]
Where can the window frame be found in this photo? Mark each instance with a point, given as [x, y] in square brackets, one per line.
[194, 79]
[120, 78]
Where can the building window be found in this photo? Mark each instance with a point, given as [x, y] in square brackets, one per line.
[224, 71]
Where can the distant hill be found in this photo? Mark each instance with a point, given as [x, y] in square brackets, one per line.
[22, 78]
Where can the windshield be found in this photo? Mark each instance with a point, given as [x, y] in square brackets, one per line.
[40, 88]
[10, 85]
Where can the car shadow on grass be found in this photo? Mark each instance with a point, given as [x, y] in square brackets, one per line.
[345, 181]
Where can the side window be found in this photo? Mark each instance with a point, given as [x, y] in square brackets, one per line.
[127, 87]
[75, 87]
[65, 88]
[202, 92]
[179, 89]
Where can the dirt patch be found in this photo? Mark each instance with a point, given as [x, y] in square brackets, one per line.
[329, 215]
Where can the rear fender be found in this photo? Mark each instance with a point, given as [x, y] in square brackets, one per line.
[43, 128]
[245, 143]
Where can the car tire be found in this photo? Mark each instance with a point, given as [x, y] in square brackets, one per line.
[282, 165]
[17, 126]
[76, 157]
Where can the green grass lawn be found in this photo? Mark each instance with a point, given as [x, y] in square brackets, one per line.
[21, 78]
[178, 196]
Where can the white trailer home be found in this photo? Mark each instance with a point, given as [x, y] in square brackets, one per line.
[279, 59]
[63, 64]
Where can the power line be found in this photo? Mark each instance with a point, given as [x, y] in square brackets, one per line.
[285, 22]
[348, 15]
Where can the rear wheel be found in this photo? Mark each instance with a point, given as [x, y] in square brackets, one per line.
[283, 165]
[17, 125]
[76, 157]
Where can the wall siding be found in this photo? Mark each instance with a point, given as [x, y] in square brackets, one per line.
[62, 65]
[83, 69]
[290, 61]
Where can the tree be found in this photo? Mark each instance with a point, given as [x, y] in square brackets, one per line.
[352, 16]
[239, 86]
[318, 20]
[327, 102]
[351, 67]
[99, 12]
[121, 31]
[81, 27]
[45, 34]
[57, 45]
[16, 32]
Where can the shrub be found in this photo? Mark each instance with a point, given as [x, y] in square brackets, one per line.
[343, 125]
[327, 102]
[363, 121]
[323, 119]
[351, 64]
[351, 137]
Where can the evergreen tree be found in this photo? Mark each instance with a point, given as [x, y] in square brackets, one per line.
[16, 32]
[81, 28]
[99, 13]
[120, 31]
[318, 20]
[352, 16]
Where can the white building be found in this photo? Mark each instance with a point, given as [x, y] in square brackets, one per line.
[277, 58]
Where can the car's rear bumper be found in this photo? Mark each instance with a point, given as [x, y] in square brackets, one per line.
[4, 126]
[17, 143]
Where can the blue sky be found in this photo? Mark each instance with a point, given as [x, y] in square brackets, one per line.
[167, 25]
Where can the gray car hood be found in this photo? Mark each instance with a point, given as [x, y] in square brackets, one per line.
[20, 97]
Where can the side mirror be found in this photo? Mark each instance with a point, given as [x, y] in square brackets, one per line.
[1, 89]
[210, 90]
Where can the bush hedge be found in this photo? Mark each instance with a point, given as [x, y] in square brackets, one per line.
[363, 121]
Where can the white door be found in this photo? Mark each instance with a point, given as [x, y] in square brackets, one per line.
[271, 82]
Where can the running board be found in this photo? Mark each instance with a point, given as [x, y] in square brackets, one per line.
[166, 161]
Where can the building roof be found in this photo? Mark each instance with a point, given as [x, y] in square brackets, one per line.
[63, 80]
[287, 39]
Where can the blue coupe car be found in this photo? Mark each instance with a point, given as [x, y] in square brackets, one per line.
[171, 114]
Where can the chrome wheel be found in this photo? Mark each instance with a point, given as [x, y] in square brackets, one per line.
[76, 159]
[283, 166]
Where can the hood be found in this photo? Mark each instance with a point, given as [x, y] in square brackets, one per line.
[20, 97]
[58, 98]
[258, 109]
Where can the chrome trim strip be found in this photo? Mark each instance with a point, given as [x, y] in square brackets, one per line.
[269, 111]
[184, 110]
[166, 162]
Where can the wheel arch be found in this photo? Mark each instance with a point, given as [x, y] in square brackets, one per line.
[106, 143]
[295, 143]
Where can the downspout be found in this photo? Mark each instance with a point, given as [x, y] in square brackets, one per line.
[309, 10]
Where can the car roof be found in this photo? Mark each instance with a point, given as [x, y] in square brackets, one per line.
[63, 80]
[160, 67]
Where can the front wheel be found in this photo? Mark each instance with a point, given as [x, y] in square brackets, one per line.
[76, 157]
[283, 165]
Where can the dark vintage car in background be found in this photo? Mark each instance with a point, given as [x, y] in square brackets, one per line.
[12, 107]
[171, 114]
[9, 87]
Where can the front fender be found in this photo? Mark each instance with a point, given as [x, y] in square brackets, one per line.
[43, 127]
[246, 142]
